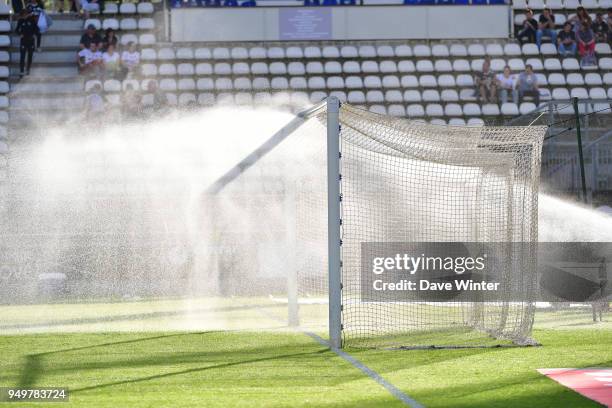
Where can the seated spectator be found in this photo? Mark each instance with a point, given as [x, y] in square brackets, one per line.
[566, 41]
[586, 44]
[530, 28]
[109, 38]
[485, 82]
[89, 6]
[160, 100]
[546, 27]
[131, 102]
[577, 19]
[130, 59]
[505, 81]
[609, 20]
[89, 61]
[90, 36]
[112, 63]
[528, 85]
[94, 103]
[600, 28]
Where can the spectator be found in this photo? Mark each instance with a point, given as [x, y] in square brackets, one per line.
[485, 82]
[600, 28]
[90, 61]
[566, 41]
[546, 27]
[130, 59]
[37, 9]
[109, 38]
[94, 103]
[111, 63]
[90, 36]
[88, 6]
[27, 29]
[506, 85]
[586, 44]
[528, 85]
[160, 100]
[131, 102]
[530, 28]
[577, 19]
[609, 20]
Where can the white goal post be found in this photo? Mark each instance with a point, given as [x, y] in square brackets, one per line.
[376, 178]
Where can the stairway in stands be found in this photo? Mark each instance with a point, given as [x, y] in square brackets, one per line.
[53, 90]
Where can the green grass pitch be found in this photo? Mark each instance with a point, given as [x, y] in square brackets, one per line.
[275, 367]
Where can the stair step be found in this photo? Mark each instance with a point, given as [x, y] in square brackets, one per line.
[49, 72]
[37, 103]
[26, 87]
[54, 40]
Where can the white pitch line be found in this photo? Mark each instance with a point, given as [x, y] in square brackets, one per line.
[397, 393]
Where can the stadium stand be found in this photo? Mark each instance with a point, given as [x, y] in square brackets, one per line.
[5, 28]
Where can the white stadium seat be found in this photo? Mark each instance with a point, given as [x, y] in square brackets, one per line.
[406, 66]
[261, 83]
[467, 94]
[330, 51]
[415, 110]
[607, 78]
[512, 50]
[203, 54]
[184, 53]
[127, 8]
[204, 68]
[240, 68]
[341, 95]
[602, 49]
[397, 110]
[367, 51]
[393, 96]
[424, 66]
[148, 69]
[259, 68]
[356, 97]
[517, 64]
[148, 54]
[526, 107]
[552, 64]
[294, 52]
[224, 84]
[222, 68]
[369, 67]
[471, 109]
[314, 68]
[380, 109]
[421, 50]
[409, 81]
[185, 69]
[372, 81]
[128, 24]
[166, 54]
[490, 109]
[385, 51]
[434, 110]
[403, 51]
[494, 50]
[390, 82]
[461, 65]
[351, 67]
[348, 51]
[276, 53]
[536, 63]
[509, 109]
[353, 82]
[556, 79]
[316, 83]
[332, 67]
[476, 50]
[312, 52]
[110, 8]
[206, 99]
[388, 67]
[530, 49]
[296, 68]
[258, 53]
[458, 50]
[92, 21]
[278, 68]
[243, 98]
[146, 39]
[112, 85]
[167, 85]
[146, 24]
[221, 53]
[574, 79]
[449, 95]
[411, 96]
[205, 84]
[443, 65]
[560, 93]
[440, 50]
[455, 121]
[453, 109]
[145, 8]
[239, 53]
[605, 64]
[186, 84]
[428, 81]
[548, 49]
[464, 80]
[597, 93]
[111, 23]
[446, 81]
[570, 64]
[243, 83]
[335, 82]
[498, 64]
[593, 79]
[298, 83]
[279, 83]
[580, 93]
[431, 95]
[317, 96]
[375, 97]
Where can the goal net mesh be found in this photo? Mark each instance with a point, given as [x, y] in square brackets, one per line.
[401, 181]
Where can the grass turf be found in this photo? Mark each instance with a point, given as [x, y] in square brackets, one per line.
[289, 369]
[272, 367]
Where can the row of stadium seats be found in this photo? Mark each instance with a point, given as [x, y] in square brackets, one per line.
[375, 95]
[5, 27]
[403, 51]
[364, 68]
[125, 24]
[128, 8]
[561, 4]
[560, 19]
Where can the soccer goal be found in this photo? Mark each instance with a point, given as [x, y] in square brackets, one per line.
[303, 205]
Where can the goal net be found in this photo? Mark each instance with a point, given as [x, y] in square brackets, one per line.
[400, 181]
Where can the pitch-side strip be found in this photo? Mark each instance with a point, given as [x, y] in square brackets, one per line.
[369, 372]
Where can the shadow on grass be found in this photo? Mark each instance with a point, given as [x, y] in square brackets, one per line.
[132, 317]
